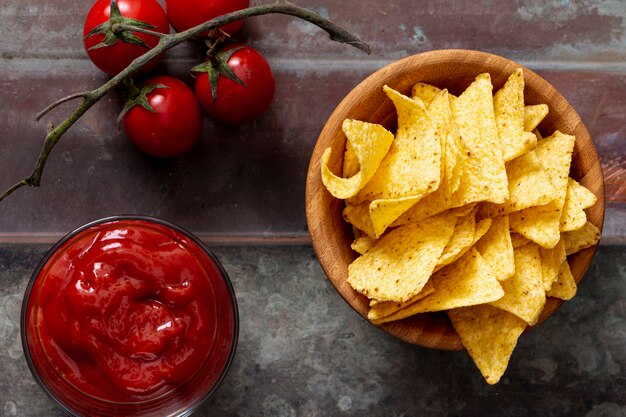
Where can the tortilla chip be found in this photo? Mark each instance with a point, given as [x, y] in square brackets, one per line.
[358, 215]
[530, 183]
[380, 309]
[582, 194]
[462, 247]
[541, 224]
[533, 115]
[573, 216]
[565, 286]
[370, 143]
[508, 105]
[551, 260]
[452, 146]
[362, 244]
[489, 335]
[412, 167]
[580, 239]
[401, 262]
[424, 92]
[467, 282]
[497, 250]
[518, 240]
[524, 293]
[484, 176]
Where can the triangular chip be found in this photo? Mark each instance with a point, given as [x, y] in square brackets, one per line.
[380, 309]
[573, 216]
[485, 175]
[412, 167]
[518, 240]
[424, 92]
[466, 282]
[583, 195]
[358, 215]
[565, 286]
[401, 262]
[533, 115]
[508, 105]
[541, 224]
[452, 146]
[462, 238]
[551, 260]
[362, 244]
[370, 143]
[489, 335]
[524, 293]
[530, 182]
[461, 249]
[496, 248]
[580, 239]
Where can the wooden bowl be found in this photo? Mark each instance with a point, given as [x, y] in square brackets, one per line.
[453, 69]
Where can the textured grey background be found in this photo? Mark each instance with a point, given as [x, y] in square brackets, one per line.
[304, 352]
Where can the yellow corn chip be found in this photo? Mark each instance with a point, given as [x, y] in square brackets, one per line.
[424, 92]
[530, 183]
[362, 244]
[573, 216]
[452, 146]
[497, 250]
[412, 167]
[537, 134]
[467, 282]
[533, 115]
[462, 238]
[358, 215]
[481, 228]
[580, 239]
[508, 105]
[583, 195]
[370, 143]
[463, 210]
[551, 260]
[380, 309]
[489, 335]
[565, 286]
[524, 293]
[350, 162]
[401, 262]
[518, 240]
[541, 224]
[484, 176]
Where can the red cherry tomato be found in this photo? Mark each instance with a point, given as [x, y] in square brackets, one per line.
[185, 14]
[236, 103]
[115, 57]
[174, 126]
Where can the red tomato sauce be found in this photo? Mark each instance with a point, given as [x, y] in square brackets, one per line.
[125, 311]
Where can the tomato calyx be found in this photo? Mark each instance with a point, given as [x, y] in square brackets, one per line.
[114, 29]
[216, 65]
[138, 97]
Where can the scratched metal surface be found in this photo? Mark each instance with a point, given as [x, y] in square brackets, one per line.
[247, 183]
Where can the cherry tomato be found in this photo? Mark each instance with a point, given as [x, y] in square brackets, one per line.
[174, 126]
[185, 14]
[235, 102]
[106, 49]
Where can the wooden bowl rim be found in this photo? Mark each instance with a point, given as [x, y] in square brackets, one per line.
[425, 334]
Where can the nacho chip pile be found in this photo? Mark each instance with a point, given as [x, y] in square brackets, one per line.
[466, 209]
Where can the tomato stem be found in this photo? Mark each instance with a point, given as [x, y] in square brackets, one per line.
[120, 27]
[166, 42]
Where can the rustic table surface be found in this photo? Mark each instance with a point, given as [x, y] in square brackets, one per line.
[302, 350]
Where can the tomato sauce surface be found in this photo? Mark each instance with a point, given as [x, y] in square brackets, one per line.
[125, 311]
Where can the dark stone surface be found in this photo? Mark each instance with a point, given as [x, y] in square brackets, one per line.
[248, 181]
[303, 351]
